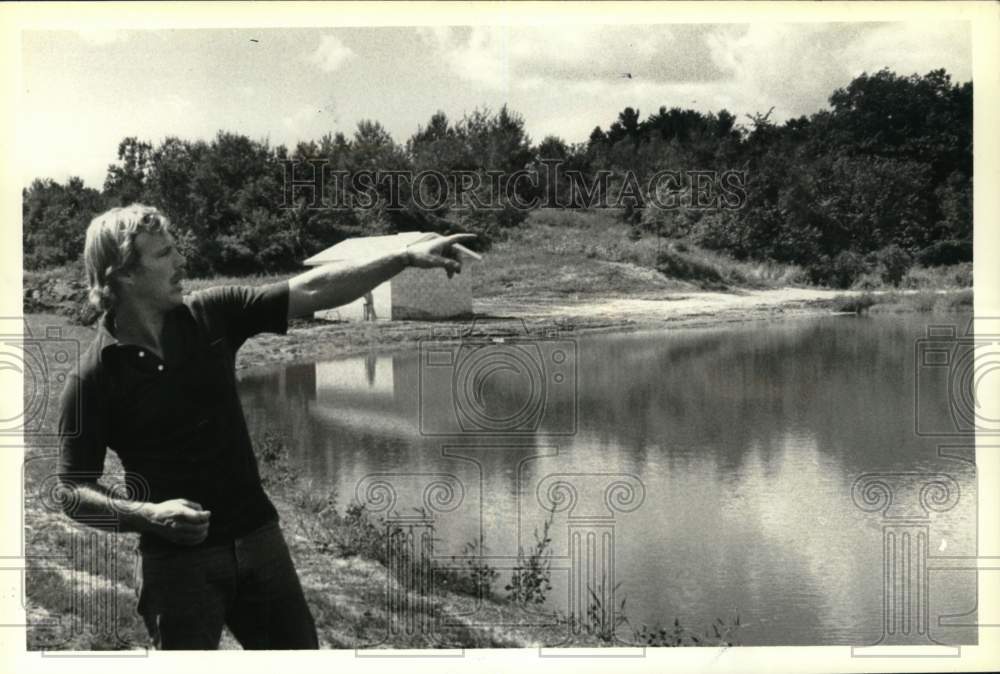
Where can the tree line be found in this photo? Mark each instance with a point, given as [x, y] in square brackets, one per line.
[882, 177]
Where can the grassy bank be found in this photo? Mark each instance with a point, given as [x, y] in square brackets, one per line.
[918, 301]
[591, 254]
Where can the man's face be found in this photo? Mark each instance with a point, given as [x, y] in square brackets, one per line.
[156, 280]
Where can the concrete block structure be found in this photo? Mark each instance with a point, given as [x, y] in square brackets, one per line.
[414, 294]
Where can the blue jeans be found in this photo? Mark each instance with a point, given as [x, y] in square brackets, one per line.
[249, 585]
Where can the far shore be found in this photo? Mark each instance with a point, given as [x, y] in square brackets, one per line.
[309, 341]
[548, 313]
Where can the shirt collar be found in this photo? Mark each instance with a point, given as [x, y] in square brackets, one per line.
[106, 339]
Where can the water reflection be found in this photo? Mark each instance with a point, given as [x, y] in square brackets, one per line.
[744, 442]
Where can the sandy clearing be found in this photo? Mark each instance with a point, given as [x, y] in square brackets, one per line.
[667, 307]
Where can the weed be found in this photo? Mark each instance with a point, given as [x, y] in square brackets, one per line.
[719, 633]
[600, 620]
[854, 304]
[470, 573]
[531, 579]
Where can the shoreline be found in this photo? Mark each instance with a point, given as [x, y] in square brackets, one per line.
[312, 340]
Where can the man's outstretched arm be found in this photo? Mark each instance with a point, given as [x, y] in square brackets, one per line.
[333, 285]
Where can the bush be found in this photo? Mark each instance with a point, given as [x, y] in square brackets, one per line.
[952, 276]
[893, 263]
[962, 275]
[855, 304]
[685, 267]
[946, 252]
[868, 281]
[196, 264]
[840, 271]
[961, 301]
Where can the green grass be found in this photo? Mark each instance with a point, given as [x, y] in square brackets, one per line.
[590, 253]
[923, 301]
[949, 276]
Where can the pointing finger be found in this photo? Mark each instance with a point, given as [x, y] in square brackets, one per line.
[457, 238]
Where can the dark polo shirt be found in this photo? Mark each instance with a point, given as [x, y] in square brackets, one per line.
[176, 423]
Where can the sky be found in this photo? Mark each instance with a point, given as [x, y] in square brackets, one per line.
[84, 91]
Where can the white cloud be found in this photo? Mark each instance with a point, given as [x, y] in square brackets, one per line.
[523, 57]
[745, 68]
[790, 67]
[909, 48]
[331, 53]
[795, 67]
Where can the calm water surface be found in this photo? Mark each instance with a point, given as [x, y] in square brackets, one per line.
[711, 470]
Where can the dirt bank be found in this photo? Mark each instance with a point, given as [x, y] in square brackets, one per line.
[539, 315]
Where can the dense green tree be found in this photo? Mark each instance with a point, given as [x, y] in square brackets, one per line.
[55, 219]
[879, 179]
[126, 180]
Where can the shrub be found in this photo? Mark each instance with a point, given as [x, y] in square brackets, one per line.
[948, 251]
[531, 580]
[893, 263]
[868, 281]
[840, 271]
[961, 301]
[471, 575]
[962, 275]
[855, 304]
[686, 267]
[951, 276]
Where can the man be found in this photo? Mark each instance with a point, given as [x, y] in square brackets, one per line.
[369, 307]
[158, 386]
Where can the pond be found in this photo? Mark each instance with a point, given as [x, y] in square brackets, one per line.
[809, 476]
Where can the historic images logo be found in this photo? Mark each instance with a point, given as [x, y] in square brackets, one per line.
[325, 188]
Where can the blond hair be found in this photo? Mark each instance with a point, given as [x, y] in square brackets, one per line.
[110, 248]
